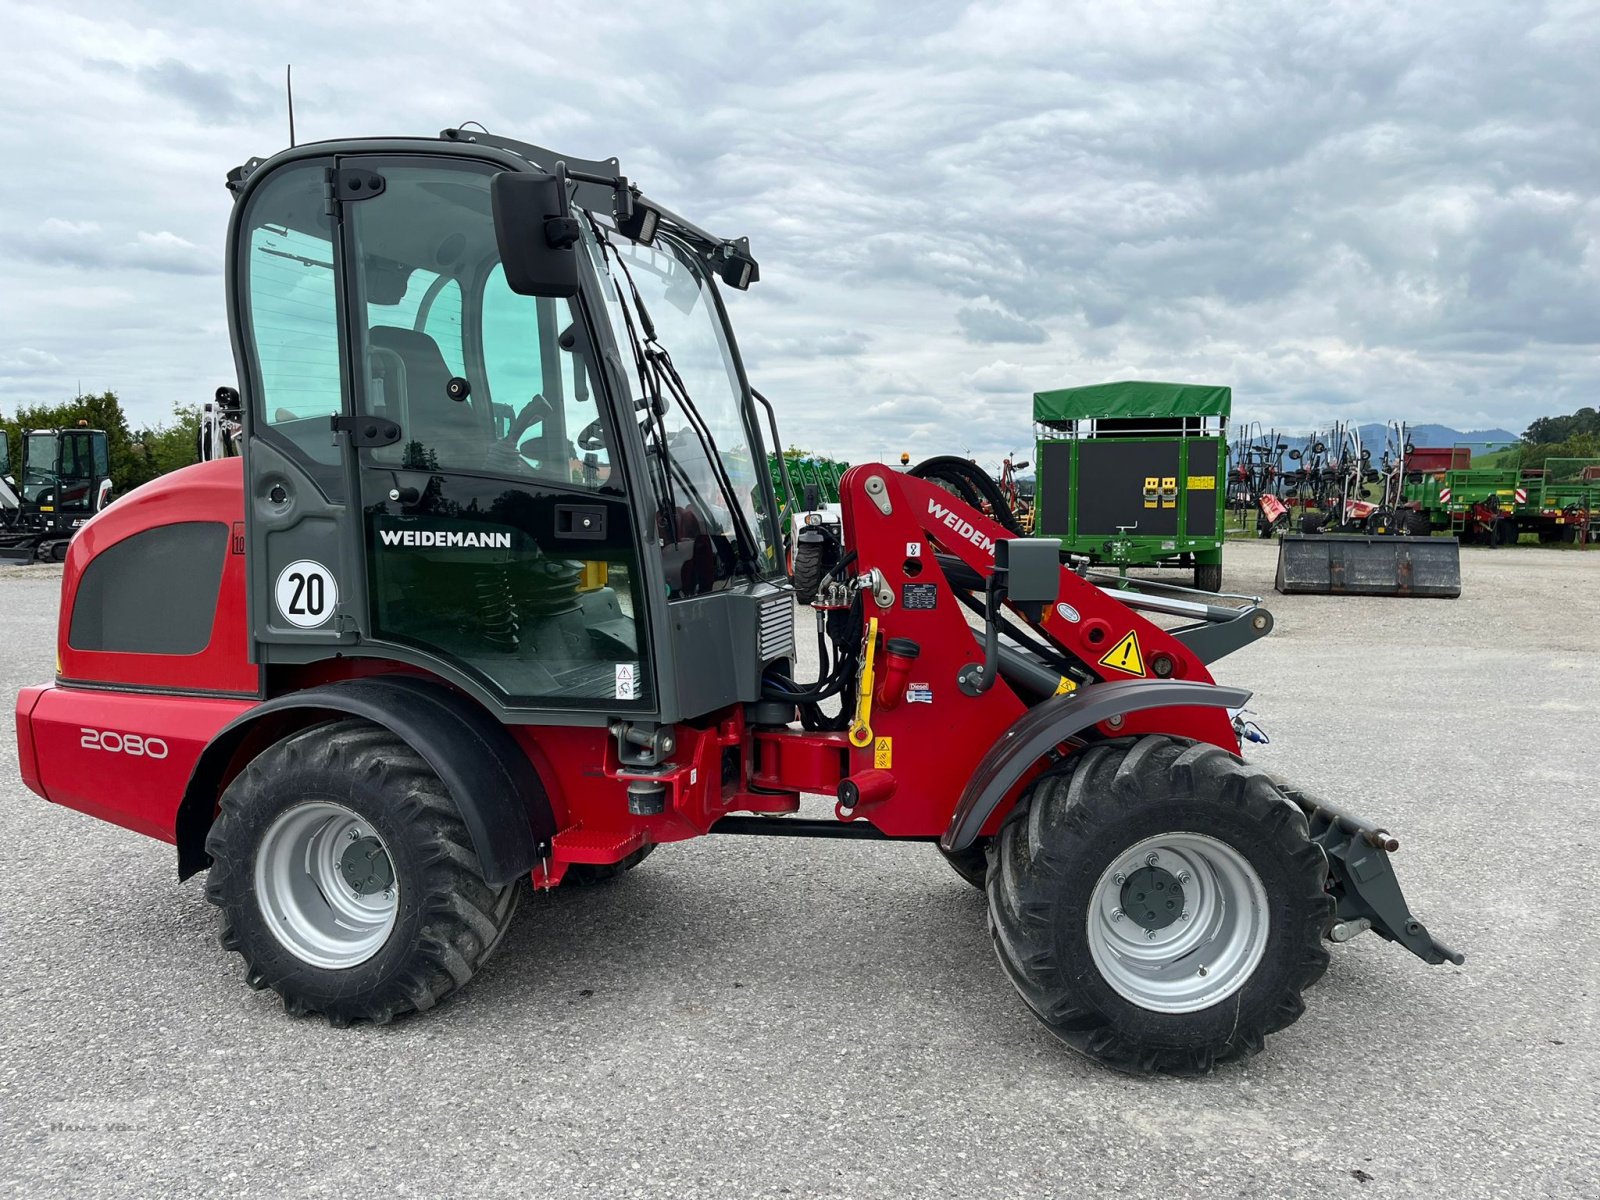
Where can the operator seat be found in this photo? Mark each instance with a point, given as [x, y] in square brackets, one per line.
[416, 400]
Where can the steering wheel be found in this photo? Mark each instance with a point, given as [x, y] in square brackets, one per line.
[592, 436]
[534, 411]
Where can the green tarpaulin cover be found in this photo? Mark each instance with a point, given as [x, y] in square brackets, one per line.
[1132, 398]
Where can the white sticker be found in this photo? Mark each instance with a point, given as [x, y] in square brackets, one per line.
[306, 594]
[1067, 613]
[913, 549]
[627, 680]
[919, 693]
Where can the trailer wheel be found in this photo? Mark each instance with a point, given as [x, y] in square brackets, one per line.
[1419, 524]
[346, 879]
[1208, 577]
[1158, 905]
[972, 864]
[588, 874]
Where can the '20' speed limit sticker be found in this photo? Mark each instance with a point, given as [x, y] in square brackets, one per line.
[306, 594]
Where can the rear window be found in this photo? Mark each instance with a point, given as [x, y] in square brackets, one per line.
[153, 593]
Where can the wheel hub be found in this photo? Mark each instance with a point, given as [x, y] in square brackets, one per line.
[1178, 922]
[365, 867]
[325, 885]
[1152, 897]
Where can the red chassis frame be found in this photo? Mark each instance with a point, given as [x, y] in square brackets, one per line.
[118, 735]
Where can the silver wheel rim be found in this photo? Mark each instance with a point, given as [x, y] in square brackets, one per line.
[1214, 941]
[304, 892]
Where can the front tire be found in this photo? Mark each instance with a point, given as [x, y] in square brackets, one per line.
[347, 880]
[972, 864]
[1127, 982]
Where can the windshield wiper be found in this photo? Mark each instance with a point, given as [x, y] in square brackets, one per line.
[662, 368]
[744, 536]
[661, 477]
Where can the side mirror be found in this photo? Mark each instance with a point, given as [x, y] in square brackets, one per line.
[536, 232]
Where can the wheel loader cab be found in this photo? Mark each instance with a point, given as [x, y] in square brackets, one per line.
[444, 472]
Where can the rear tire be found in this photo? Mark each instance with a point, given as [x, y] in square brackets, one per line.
[1208, 577]
[1070, 839]
[281, 844]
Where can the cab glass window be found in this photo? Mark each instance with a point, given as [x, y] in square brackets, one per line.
[291, 319]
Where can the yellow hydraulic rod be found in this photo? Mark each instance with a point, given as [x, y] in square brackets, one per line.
[861, 726]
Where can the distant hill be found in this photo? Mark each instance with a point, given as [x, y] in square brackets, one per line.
[1482, 441]
[1443, 435]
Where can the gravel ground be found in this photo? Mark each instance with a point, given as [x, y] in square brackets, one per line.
[748, 1018]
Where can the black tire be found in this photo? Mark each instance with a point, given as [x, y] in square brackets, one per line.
[1418, 524]
[1506, 532]
[1313, 522]
[448, 921]
[1208, 577]
[810, 564]
[589, 874]
[972, 483]
[1066, 833]
[972, 864]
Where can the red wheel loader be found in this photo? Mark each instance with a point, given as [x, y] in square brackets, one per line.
[496, 596]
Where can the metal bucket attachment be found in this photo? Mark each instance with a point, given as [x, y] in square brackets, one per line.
[1355, 565]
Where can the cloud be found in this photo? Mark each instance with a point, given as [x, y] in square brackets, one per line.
[999, 376]
[997, 325]
[168, 252]
[1380, 211]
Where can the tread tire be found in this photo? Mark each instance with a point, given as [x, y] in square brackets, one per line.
[809, 567]
[450, 921]
[1208, 577]
[972, 864]
[1073, 822]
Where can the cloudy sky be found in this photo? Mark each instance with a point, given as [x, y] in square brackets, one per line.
[1358, 210]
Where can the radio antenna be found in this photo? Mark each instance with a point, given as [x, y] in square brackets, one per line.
[288, 85]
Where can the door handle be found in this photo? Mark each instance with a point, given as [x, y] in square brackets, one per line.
[586, 521]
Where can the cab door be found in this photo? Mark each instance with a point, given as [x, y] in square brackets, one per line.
[429, 456]
[496, 524]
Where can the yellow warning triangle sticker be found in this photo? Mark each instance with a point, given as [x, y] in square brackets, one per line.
[1125, 656]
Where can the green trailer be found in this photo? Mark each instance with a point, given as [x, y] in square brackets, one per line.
[1568, 501]
[1130, 474]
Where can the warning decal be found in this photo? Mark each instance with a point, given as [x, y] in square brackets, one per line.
[1066, 685]
[883, 753]
[1202, 483]
[1125, 656]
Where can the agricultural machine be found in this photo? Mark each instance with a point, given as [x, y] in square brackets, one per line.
[407, 656]
[1134, 474]
[220, 430]
[1256, 478]
[63, 480]
[1494, 506]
